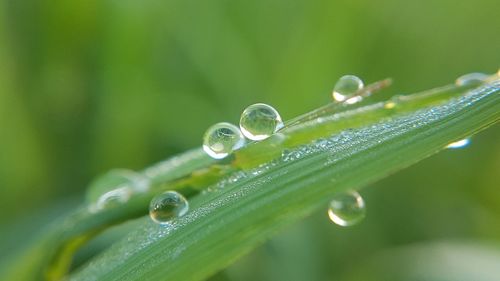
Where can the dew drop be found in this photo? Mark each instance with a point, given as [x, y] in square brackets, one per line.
[347, 209]
[117, 179]
[346, 87]
[393, 102]
[389, 105]
[222, 139]
[167, 206]
[112, 198]
[260, 121]
[469, 78]
[459, 144]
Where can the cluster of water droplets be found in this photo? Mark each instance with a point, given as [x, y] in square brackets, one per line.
[258, 122]
[348, 208]
[261, 121]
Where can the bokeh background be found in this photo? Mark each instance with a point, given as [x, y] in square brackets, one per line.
[86, 86]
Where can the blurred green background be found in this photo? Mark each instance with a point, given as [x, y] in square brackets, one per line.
[86, 86]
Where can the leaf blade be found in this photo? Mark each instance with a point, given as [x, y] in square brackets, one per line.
[224, 225]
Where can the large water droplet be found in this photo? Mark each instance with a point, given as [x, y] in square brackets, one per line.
[260, 121]
[346, 87]
[347, 209]
[115, 179]
[222, 139]
[459, 144]
[167, 206]
[469, 78]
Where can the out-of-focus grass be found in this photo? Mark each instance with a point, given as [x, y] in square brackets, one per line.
[91, 85]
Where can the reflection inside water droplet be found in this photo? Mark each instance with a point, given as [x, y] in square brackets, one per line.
[347, 209]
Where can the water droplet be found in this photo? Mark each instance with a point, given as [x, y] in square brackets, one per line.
[260, 121]
[389, 105]
[469, 78]
[167, 206]
[222, 139]
[393, 102]
[112, 198]
[459, 144]
[115, 179]
[346, 87]
[347, 209]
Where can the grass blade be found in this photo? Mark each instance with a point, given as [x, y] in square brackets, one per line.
[249, 207]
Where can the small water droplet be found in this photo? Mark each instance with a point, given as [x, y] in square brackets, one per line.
[115, 179]
[347, 209]
[167, 206]
[260, 121]
[393, 102]
[222, 139]
[346, 87]
[469, 78]
[112, 198]
[389, 105]
[459, 144]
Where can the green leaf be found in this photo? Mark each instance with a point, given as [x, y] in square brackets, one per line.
[249, 207]
[264, 187]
